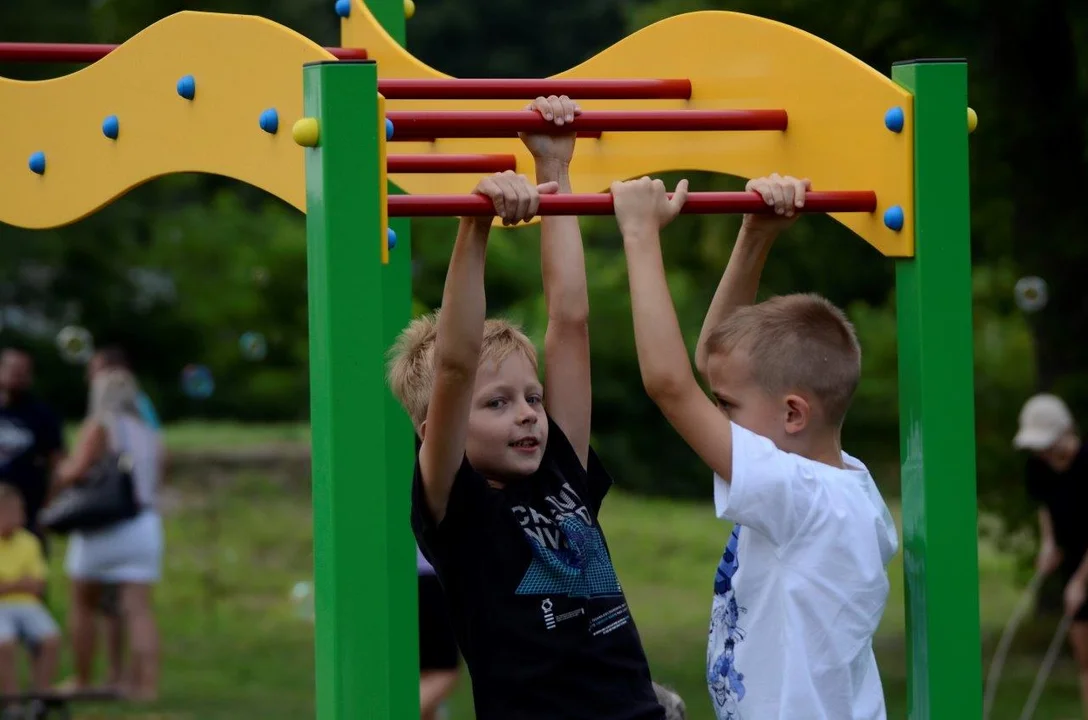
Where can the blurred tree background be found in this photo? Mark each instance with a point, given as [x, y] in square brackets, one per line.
[179, 269]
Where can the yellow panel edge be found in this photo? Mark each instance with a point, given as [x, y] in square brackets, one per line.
[241, 65]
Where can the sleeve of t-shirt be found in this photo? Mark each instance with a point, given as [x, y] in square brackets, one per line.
[466, 511]
[771, 491]
[596, 477]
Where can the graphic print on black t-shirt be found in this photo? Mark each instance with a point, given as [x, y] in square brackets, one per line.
[569, 559]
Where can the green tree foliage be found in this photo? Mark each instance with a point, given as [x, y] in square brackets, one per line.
[180, 268]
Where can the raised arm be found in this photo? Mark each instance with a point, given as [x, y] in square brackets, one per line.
[460, 334]
[642, 209]
[740, 281]
[568, 388]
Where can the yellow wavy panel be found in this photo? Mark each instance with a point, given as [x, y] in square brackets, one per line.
[836, 107]
[242, 66]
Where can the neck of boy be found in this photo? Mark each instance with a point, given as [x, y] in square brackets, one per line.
[825, 449]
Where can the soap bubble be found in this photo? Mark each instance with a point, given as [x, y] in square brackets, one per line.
[75, 344]
[197, 381]
[1031, 293]
[302, 598]
[253, 346]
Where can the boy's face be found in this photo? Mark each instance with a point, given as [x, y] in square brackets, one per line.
[746, 403]
[11, 515]
[507, 427]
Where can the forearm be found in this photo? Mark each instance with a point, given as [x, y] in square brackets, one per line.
[434, 688]
[662, 356]
[738, 285]
[562, 258]
[461, 320]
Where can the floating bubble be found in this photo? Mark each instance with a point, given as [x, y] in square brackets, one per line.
[197, 381]
[253, 346]
[302, 598]
[75, 344]
[1031, 293]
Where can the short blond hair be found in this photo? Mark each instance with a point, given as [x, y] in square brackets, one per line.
[799, 342]
[410, 370]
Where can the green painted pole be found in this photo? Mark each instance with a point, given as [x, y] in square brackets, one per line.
[936, 405]
[399, 439]
[352, 531]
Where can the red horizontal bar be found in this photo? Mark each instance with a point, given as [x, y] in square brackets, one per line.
[84, 52]
[527, 89]
[698, 203]
[426, 138]
[466, 124]
[450, 163]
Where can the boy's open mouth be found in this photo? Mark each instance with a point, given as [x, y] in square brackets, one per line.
[526, 444]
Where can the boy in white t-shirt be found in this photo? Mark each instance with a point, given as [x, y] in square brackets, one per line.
[802, 583]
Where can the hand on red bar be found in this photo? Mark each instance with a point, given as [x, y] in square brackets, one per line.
[513, 198]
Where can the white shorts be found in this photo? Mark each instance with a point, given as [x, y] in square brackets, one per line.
[26, 621]
[128, 552]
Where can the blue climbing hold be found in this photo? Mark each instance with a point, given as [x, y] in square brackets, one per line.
[270, 121]
[390, 238]
[893, 119]
[187, 87]
[388, 129]
[37, 163]
[893, 218]
[111, 128]
[343, 8]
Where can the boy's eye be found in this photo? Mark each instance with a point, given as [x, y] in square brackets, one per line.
[496, 403]
[534, 399]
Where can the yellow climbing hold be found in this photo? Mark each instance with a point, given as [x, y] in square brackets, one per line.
[305, 132]
[409, 8]
[972, 120]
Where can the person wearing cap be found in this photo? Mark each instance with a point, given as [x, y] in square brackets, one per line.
[1057, 479]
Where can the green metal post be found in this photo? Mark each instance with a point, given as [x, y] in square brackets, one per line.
[936, 405]
[354, 639]
[399, 438]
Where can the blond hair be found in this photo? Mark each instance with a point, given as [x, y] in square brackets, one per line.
[799, 342]
[410, 370]
[114, 392]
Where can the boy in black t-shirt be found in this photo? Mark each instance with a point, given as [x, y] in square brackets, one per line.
[507, 490]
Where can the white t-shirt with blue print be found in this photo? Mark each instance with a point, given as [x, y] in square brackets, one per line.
[800, 589]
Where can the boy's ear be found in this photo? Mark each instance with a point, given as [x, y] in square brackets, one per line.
[423, 430]
[798, 414]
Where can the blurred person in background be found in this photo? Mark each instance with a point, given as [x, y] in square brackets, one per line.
[1057, 480]
[31, 436]
[128, 553]
[439, 658]
[114, 357]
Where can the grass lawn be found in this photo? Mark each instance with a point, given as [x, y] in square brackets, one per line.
[234, 646]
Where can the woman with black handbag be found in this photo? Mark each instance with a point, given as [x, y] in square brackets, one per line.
[106, 501]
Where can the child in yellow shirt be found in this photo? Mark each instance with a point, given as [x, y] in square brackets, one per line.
[23, 617]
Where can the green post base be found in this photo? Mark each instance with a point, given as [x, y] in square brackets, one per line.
[936, 405]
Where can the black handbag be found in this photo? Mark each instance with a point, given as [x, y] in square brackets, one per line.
[106, 496]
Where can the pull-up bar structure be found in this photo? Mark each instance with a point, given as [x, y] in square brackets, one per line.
[312, 126]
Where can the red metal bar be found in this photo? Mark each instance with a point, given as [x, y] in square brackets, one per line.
[527, 89]
[84, 52]
[427, 138]
[450, 163]
[698, 203]
[477, 124]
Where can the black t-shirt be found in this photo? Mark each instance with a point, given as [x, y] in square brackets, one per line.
[1065, 496]
[537, 609]
[30, 433]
